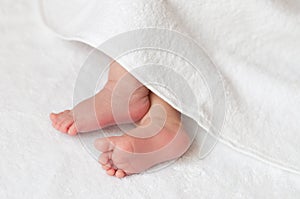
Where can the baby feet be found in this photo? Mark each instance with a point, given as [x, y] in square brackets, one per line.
[123, 99]
[158, 137]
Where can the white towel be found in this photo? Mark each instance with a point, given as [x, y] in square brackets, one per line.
[255, 45]
[38, 71]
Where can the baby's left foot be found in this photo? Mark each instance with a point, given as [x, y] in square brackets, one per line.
[159, 137]
[122, 100]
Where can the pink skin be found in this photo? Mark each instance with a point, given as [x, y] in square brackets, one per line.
[159, 135]
[119, 87]
[135, 152]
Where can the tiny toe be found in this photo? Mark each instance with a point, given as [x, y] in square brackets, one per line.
[105, 157]
[111, 172]
[72, 130]
[120, 173]
[56, 125]
[106, 166]
[62, 115]
[58, 122]
[64, 127]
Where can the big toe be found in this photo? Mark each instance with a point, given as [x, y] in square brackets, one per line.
[105, 160]
[53, 117]
[72, 130]
[65, 125]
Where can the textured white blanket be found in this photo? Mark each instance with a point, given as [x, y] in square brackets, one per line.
[38, 73]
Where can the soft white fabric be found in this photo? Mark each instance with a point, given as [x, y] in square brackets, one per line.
[255, 44]
[38, 72]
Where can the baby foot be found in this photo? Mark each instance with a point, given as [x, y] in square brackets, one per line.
[159, 137]
[123, 99]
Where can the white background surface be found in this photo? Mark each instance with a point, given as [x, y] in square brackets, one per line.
[37, 75]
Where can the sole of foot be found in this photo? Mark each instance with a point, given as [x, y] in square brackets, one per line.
[158, 137]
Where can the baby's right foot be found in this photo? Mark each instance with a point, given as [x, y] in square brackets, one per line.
[123, 99]
[158, 137]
